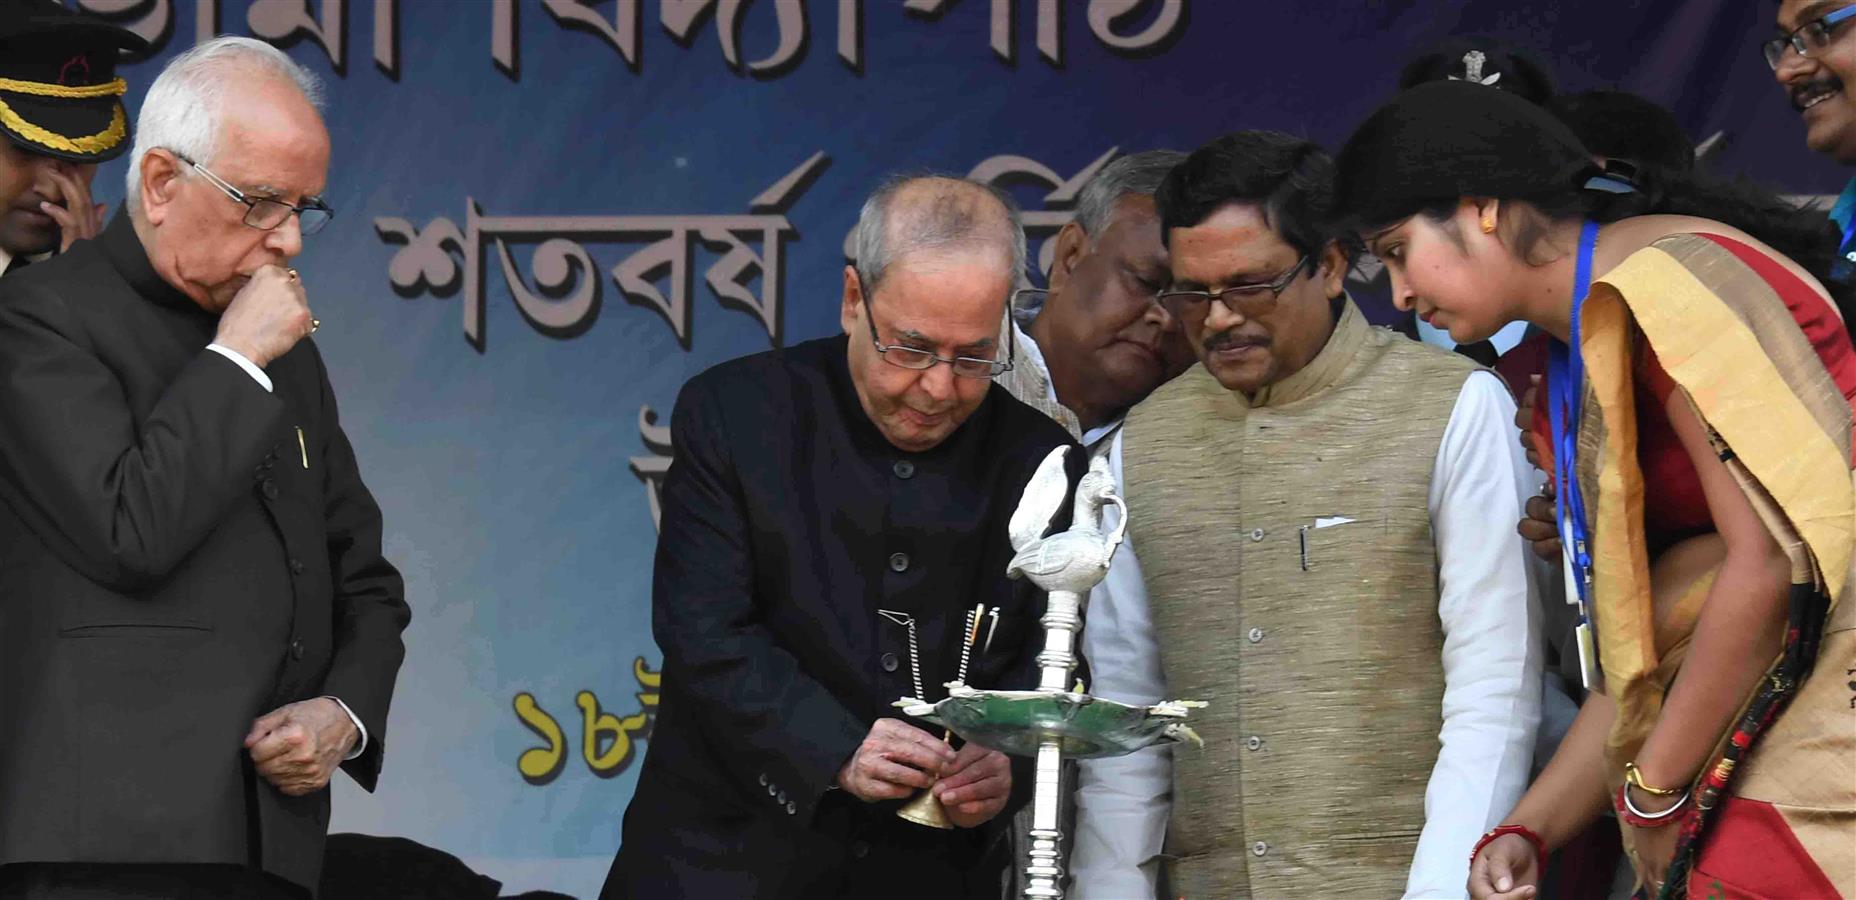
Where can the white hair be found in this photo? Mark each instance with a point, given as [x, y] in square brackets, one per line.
[1137, 174]
[185, 106]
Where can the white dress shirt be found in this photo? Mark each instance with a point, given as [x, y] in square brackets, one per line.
[1491, 662]
[250, 367]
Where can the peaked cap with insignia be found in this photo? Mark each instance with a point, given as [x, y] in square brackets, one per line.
[59, 94]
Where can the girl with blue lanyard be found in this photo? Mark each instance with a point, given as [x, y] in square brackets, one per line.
[1700, 442]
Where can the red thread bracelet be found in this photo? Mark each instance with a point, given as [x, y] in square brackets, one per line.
[1540, 846]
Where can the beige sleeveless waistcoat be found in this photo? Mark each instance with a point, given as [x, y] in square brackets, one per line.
[1287, 549]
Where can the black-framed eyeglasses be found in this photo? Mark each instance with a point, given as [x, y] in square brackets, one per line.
[1807, 38]
[266, 214]
[912, 358]
[1247, 300]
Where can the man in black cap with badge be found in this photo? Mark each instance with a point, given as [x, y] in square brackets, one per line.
[61, 113]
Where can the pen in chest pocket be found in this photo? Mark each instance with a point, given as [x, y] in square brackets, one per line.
[1321, 522]
[302, 446]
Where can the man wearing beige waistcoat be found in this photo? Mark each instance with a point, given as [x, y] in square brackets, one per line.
[1321, 545]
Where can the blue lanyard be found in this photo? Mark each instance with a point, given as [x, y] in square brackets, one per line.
[1565, 381]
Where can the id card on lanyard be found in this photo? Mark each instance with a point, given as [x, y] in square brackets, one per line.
[1566, 384]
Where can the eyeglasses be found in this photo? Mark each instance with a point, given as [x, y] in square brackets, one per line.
[911, 358]
[1247, 300]
[267, 214]
[1811, 36]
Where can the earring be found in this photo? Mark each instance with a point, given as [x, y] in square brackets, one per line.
[1488, 225]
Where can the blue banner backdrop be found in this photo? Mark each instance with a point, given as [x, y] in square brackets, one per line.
[553, 212]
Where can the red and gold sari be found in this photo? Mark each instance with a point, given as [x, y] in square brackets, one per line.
[1767, 366]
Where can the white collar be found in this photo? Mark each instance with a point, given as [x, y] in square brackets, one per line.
[1096, 434]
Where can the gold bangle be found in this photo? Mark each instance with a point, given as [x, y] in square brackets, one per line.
[1634, 777]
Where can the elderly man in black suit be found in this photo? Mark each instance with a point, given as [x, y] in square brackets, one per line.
[835, 513]
[196, 624]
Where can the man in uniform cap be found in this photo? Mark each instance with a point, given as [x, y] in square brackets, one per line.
[61, 113]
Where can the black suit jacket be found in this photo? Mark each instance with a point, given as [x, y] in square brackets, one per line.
[788, 521]
[180, 552]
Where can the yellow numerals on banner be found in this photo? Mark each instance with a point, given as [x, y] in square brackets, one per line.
[607, 741]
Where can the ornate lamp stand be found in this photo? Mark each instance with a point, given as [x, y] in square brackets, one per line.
[1056, 721]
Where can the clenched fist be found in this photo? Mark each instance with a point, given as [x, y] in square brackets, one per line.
[894, 761]
[267, 317]
[296, 747]
[1541, 528]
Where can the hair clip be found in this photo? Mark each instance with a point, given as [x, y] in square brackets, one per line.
[1617, 177]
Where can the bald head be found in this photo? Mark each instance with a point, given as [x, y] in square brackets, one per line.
[935, 218]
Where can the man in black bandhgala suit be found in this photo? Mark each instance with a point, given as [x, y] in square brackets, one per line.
[197, 626]
[835, 512]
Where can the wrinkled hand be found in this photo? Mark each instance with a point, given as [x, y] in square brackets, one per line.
[974, 787]
[267, 317]
[79, 219]
[297, 747]
[1506, 869]
[1656, 848]
[895, 760]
